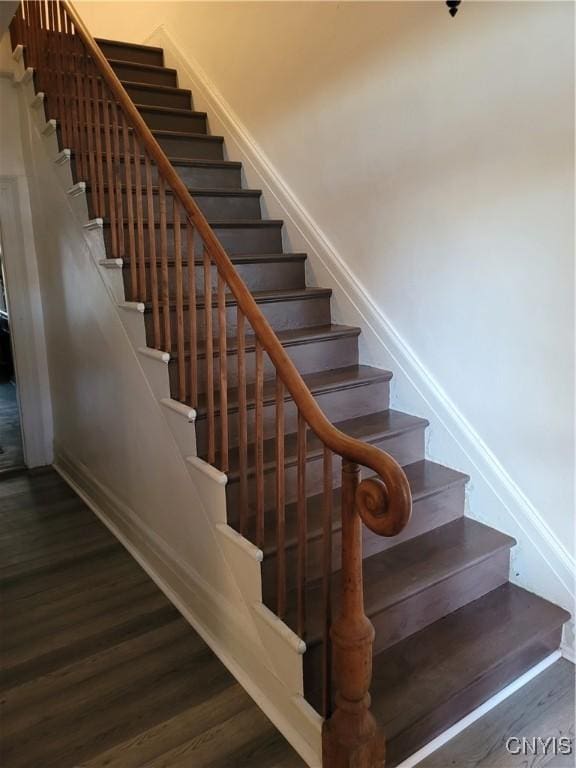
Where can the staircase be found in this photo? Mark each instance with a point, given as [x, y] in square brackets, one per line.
[450, 629]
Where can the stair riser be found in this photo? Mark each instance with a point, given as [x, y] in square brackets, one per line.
[159, 98]
[428, 513]
[429, 605]
[405, 448]
[471, 697]
[297, 313]
[193, 177]
[420, 610]
[308, 358]
[199, 177]
[138, 55]
[214, 207]
[240, 240]
[127, 71]
[187, 147]
[245, 240]
[191, 123]
[190, 148]
[342, 404]
[288, 274]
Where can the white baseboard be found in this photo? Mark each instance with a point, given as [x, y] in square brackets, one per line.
[479, 712]
[356, 306]
[204, 608]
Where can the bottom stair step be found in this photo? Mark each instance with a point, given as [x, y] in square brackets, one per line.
[432, 679]
[413, 585]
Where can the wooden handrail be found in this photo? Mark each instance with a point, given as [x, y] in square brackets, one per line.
[386, 506]
[116, 153]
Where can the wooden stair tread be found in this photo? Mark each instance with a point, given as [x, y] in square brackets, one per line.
[426, 478]
[200, 191]
[120, 44]
[417, 681]
[235, 258]
[261, 297]
[139, 65]
[401, 571]
[207, 137]
[290, 337]
[190, 162]
[201, 162]
[170, 110]
[220, 224]
[370, 429]
[155, 87]
[322, 382]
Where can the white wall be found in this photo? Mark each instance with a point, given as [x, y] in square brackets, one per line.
[11, 159]
[436, 156]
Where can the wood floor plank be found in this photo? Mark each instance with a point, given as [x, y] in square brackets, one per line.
[48, 661]
[223, 741]
[36, 594]
[24, 556]
[99, 670]
[167, 736]
[20, 699]
[543, 707]
[57, 631]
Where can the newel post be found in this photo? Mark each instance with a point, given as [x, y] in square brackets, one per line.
[351, 737]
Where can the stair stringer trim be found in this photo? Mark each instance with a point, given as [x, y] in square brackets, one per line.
[493, 497]
[270, 670]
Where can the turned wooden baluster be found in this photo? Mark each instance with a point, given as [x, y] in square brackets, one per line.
[242, 418]
[209, 346]
[327, 510]
[152, 255]
[179, 288]
[192, 325]
[259, 442]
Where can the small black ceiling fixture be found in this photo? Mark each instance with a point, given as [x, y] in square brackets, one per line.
[453, 6]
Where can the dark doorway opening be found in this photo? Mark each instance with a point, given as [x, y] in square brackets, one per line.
[11, 448]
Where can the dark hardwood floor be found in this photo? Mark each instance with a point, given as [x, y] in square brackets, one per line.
[98, 669]
[543, 707]
[11, 454]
